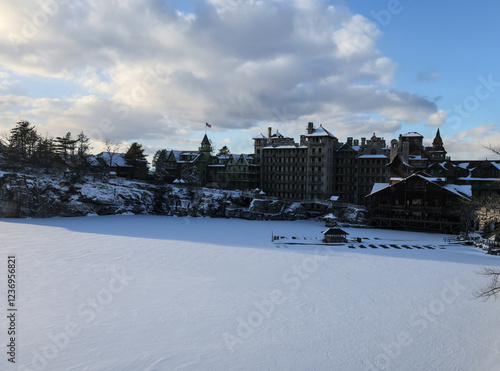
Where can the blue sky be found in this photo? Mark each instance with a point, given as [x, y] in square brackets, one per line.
[155, 71]
[444, 50]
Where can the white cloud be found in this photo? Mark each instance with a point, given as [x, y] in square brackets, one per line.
[471, 144]
[238, 64]
[437, 119]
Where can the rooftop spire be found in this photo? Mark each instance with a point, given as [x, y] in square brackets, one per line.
[438, 142]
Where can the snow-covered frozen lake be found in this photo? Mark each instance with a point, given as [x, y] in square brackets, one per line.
[165, 293]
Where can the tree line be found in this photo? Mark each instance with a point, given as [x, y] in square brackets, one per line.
[24, 147]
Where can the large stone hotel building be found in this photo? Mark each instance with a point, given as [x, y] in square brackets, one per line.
[319, 166]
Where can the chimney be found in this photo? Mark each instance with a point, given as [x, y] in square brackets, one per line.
[356, 142]
[363, 142]
[349, 141]
[310, 128]
[269, 132]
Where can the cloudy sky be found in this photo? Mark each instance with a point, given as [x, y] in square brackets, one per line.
[155, 71]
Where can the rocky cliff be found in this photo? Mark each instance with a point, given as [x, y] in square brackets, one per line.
[42, 196]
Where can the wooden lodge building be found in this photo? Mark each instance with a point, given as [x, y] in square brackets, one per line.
[419, 202]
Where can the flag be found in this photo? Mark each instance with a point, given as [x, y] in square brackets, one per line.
[208, 125]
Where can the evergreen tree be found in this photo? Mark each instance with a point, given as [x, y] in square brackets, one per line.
[137, 159]
[224, 151]
[66, 146]
[45, 152]
[191, 175]
[22, 141]
[160, 163]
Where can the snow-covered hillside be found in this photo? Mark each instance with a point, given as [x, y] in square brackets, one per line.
[168, 293]
[46, 196]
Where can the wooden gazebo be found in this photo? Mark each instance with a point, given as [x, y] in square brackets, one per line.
[334, 235]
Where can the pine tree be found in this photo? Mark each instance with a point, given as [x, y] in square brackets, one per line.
[45, 152]
[224, 151]
[137, 159]
[66, 146]
[22, 141]
[160, 164]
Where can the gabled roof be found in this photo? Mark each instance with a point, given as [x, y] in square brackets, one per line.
[378, 187]
[320, 132]
[260, 136]
[117, 159]
[347, 146]
[461, 191]
[278, 135]
[190, 161]
[335, 232]
[176, 154]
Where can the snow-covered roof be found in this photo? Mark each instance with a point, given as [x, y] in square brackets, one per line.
[176, 154]
[277, 135]
[433, 179]
[479, 179]
[412, 134]
[373, 156]
[347, 145]
[460, 190]
[284, 147]
[117, 159]
[190, 161]
[260, 136]
[443, 165]
[378, 186]
[320, 132]
[335, 231]
[93, 160]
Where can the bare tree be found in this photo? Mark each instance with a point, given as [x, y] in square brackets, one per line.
[111, 147]
[490, 147]
[492, 289]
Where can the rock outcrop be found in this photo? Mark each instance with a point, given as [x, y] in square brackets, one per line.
[44, 196]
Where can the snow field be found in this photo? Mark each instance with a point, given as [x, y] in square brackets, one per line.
[166, 293]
